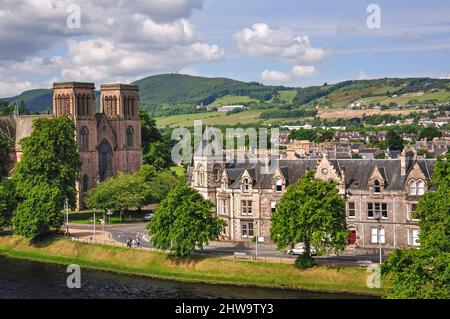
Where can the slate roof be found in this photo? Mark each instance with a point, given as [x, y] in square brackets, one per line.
[357, 172]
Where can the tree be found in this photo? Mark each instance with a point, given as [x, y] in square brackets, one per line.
[394, 141]
[149, 131]
[159, 155]
[46, 175]
[313, 213]
[429, 133]
[50, 155]
[425, 272]
[183, 221]
[121, 192]
[7, 202]
[40, 212]
[5, 160]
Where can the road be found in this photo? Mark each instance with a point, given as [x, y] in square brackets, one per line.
[134, 230]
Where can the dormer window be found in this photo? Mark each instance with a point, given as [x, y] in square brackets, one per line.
[420, 188]
[416, 188]
[246, 185]
[279, 186]
[413, 188]
[376, 187]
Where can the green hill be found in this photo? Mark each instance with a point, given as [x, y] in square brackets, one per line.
[37, 101]
[176, 94]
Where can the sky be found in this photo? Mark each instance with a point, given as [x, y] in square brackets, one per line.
[276, 42]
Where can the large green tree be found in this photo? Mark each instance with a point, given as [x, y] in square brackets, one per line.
[39, 212]
[425, 272]
[5, 160]
[8, 202]
[313, 213]
[149, 132]
[50, 156]
[183, 222]
[46, 175]
[119, 193]
[394, 141]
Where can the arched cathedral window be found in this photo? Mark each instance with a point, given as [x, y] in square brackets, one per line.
[84, 138]
[130, 136]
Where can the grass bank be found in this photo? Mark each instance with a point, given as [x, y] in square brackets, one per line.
[195, 269]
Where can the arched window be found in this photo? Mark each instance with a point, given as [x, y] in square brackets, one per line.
[279, 185]
[130, 136]
[84, 138]
[413, 188]
[246, 185]
[85, 183]
[217, 173]
[420, 187]
[376, 187]
[200, 175]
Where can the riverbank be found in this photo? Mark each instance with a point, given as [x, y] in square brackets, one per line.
[195, 269]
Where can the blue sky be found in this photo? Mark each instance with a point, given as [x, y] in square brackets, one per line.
[293, 43]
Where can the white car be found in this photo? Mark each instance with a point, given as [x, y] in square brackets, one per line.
[149, 216]
[299, 250]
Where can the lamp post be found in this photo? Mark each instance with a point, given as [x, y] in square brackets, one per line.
[95, 237]
[66, 208]
[378, 216]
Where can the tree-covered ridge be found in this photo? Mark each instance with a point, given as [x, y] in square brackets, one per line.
[170, 94]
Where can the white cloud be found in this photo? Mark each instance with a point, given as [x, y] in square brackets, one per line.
[275, 77]
[446, 77]
[279, 78]
[116, 42]
[303, 70]
[363, 76]
[282, 44]
[260, 40]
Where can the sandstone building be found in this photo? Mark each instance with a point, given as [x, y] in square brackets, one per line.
[109, 141]
[245, 197]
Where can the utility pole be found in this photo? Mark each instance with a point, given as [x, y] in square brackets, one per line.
[66, 208]
[378, 216]
[95, 237]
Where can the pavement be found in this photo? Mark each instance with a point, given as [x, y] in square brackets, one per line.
[118, 234]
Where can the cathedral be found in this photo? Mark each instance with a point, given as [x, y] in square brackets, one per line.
[109, 141]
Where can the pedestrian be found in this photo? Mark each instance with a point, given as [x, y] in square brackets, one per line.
[129, 243]
[138, 242]
[133, 243]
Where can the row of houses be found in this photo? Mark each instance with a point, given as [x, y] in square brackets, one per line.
[245, 195]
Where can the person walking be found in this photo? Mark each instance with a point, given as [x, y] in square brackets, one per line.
[129, 243]
[138, 242]
[133, 243]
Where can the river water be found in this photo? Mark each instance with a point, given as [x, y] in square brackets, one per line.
[26, 279]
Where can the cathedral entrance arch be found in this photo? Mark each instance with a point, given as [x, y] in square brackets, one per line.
[105, 157]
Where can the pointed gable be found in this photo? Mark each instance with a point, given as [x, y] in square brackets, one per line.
[326, 171]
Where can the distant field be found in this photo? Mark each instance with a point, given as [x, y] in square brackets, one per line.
[211, 118]
[288, 96]
[231, 100]
[348, 113]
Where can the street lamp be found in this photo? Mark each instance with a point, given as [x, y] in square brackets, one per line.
[95, 237]
[378, 216]
[66, 208]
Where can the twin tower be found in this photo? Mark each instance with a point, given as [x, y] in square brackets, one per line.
[109, 140]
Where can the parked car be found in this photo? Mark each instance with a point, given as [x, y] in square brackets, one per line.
[299, 250]
[149, 216]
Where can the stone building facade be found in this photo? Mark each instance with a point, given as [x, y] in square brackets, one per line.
[245, 197]
[109, 141]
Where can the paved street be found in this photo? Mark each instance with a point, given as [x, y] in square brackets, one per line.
[135, 230]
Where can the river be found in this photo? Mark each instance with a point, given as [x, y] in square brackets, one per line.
[26, 279]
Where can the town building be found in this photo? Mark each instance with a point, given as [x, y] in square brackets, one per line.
[245, 195]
